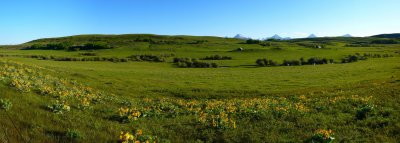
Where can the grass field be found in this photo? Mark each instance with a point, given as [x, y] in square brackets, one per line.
[94, 101]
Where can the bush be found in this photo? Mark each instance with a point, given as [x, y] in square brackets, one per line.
[331, 61]
[353, 58]
[317, 61]
[150, 58]
[217, 57]
[364, 111]
[265, 62]
[193, 63]
[260, 62]
[214, 65]
[291, 63]
[251, 41]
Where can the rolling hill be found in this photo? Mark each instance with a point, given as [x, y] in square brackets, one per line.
[112, 88]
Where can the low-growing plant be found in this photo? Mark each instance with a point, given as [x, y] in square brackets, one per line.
[136, 136]
[5, 104]
[129, 114]
[59, 107]
[322, 136]
[363, 111]
[73, 134]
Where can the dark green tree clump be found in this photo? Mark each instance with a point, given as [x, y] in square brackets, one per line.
[252, 41]
[384, 41]
[311, 61]
[50, 46]
[69, 47]
[318, 61]
[291, 63]
[217, 57]
[353, 58]
[149, 58]
[193, 63]
[369, 55]
[265, 62]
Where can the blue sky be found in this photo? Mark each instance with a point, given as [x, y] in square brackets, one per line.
[25, 20]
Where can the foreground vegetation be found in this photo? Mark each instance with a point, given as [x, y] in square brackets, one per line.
[340, 97]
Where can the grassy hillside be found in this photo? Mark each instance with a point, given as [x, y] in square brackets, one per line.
[94, 95]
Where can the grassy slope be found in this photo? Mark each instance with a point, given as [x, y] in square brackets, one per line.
[135, 80]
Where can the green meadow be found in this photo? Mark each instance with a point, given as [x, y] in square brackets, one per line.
[54, 95]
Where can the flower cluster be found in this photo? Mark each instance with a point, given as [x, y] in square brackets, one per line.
[127, 114]
[219, 121]
[59, 107]
[136, 137]
[323, 136]
[214, 113]
[26, 78]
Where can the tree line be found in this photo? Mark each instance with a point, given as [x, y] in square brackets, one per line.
[265, 62]
[69, 46]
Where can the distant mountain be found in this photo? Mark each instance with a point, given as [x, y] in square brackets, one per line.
[240, 36]
[312, 36]
[277, 37]
[347, 35]
[394, 35]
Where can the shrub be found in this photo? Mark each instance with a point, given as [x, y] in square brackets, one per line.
[260, 62]
[251, 41]
[193, 63]
[217, 57]
[291, 63]
[214, 65]
[317, 61]
[364, 111]
[353, 58]
[123, 60]
[150, 58]
[265, 62]
[331, 61]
